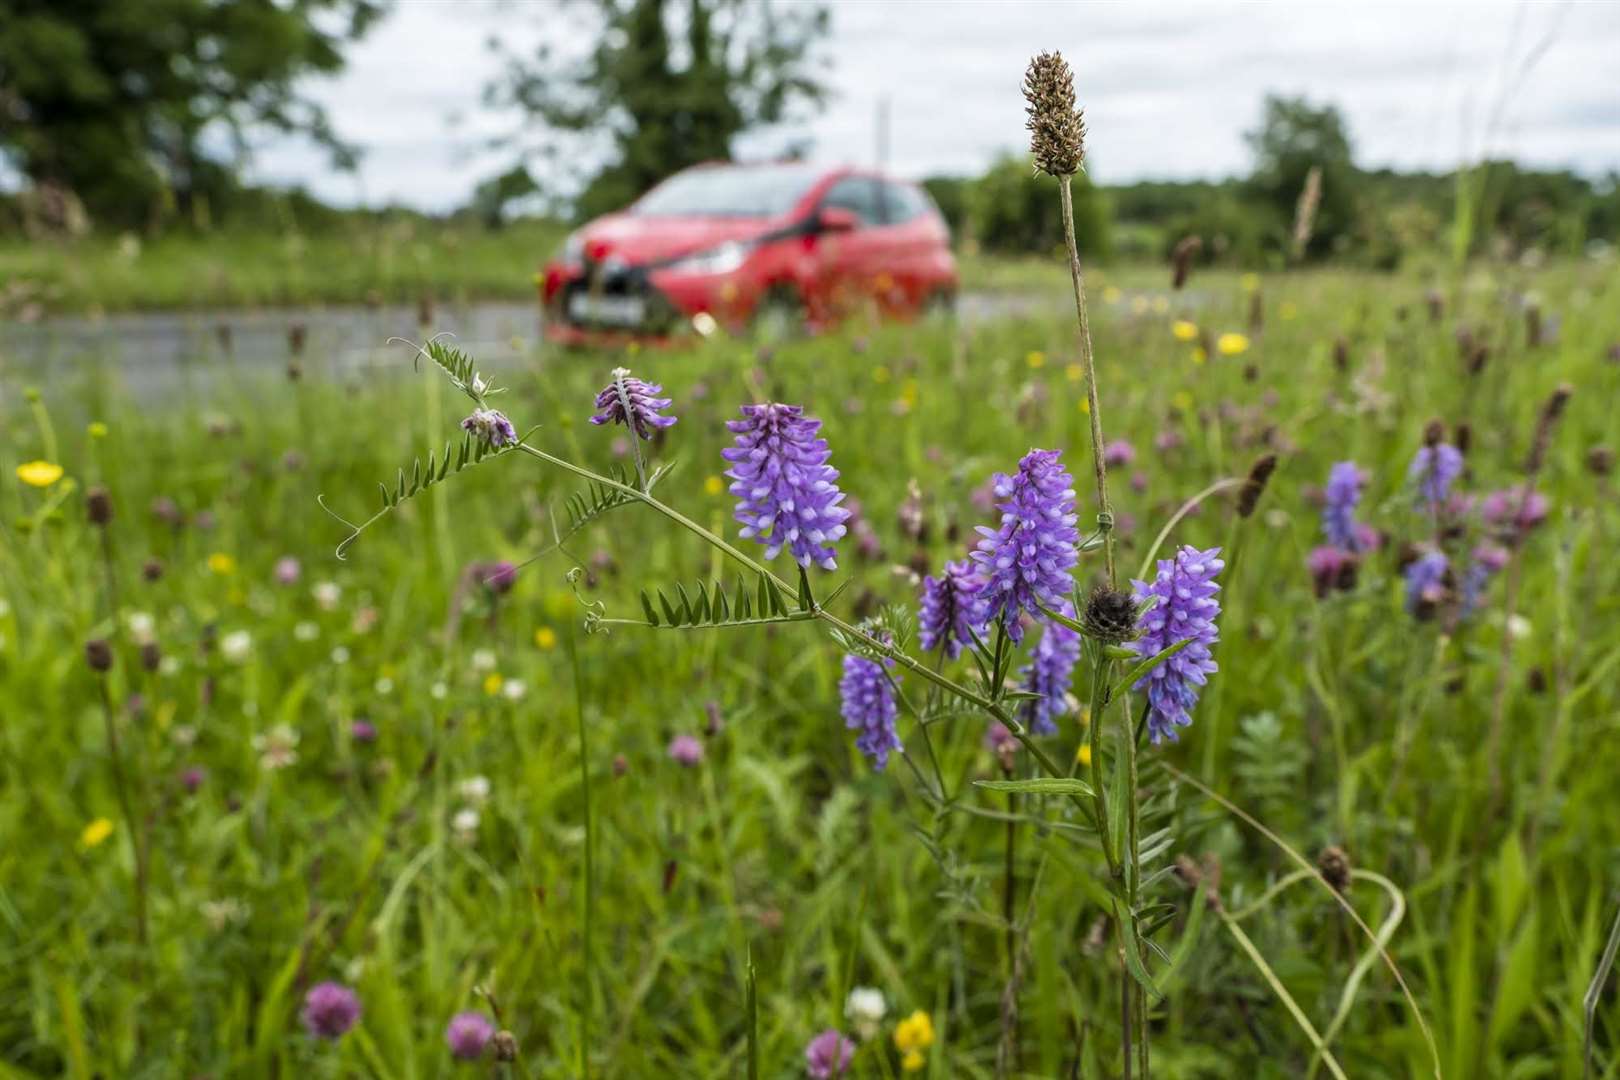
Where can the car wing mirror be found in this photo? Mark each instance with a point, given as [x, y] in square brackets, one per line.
[837, 219]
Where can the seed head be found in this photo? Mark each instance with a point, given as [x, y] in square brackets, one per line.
[1334, 866]
[1600, 461]
[1254, 485]
[505, 1045]
[98, 506]
[1110, 615]
[1057, 131]
[98, 654]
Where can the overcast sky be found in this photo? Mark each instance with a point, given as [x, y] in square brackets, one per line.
[1168, 89]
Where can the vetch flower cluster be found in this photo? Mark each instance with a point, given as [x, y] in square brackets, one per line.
[787, 493]
[1435, 467]
[952, 609]
[1340, 498]
[492, 426]
[868, 706]
[1049, 673]
[1028, 558]
[645, 406]
[1186, 609]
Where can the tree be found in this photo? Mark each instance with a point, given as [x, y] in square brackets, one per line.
[667, 86]
[1011, 209]
[1293, 137]
[124, 101]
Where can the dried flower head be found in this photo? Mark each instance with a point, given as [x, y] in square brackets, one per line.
[98, 654]
[1110, 615]
[1057, 131]
[98, 506]
[1334, 866]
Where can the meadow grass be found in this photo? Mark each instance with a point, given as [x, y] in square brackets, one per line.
[1341, 721]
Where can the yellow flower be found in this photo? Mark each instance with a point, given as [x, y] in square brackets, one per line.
[1199, 355]
[39, 473]
[913, 1061]
[908, 394]
[97, 429]
[492, 683]
[1083, 755]
[1074, 372]
[1232, 344]
[1085, 406]
[1084, 716]
[1035, 358]
[1161, 304]
[1251, 282]
[880, 374]
[1181, 400]
[546, 638]
[1184, 330]
[714, 486]
[95, 832]
[221, 563]
[1111, 295]
[915, 1032]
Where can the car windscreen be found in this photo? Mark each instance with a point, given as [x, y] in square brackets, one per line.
[729, 191]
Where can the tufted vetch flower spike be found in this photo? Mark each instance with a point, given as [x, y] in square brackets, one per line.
[1186, 609]
[1027, 559]
[636, 404]
[787, 494]
[952, 609]
[868, 706]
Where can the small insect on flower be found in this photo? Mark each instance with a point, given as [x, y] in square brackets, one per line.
[469, 1035]
[491, 426]
[868, 706]
[636, 404]
[1186, 609]
[828, 1055]
[1028, 558]
[686, 750]
[95, 832]
[330, 1010]
[912, 1036]
[787, 493]
[40, 474]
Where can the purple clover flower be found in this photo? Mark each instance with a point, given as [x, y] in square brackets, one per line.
[330, 1010]
[686, 750]
[1426, 581]
[1434, 469]
[1339, 500]
[492, 426]
[1029, 557]
[827, 1056]
[645, 404]
[1513, 511]
[1118, 453]
[787, 493]
[1186, 609]
[952, 609]
[868, 706]
[1049, 673]
[469, 1034]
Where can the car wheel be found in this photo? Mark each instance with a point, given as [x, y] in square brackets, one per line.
[779, 315]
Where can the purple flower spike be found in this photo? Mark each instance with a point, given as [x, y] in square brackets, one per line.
[828, 1055]
[469, 1034]
[330, 1010]
[787, 494]
[1048, 673]
[869, 707]
[1029, 557]
[1426, 582]
[492, 426]
[1434, 469]
[952, 609]
[645, 404]
[1488, 560]
[1186, 609]
[1118, 453]
[1339, 501]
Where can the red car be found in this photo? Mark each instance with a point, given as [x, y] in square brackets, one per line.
[745, 244]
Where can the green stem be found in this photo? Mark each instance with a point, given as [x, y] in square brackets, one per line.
[590, 877]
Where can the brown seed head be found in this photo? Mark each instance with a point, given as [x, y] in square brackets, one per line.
[1434, 432]
[1110, 615]
[151, 656]
[1057, 131]
[1334, 866]
[98, 654]
[98, 506]
[505, 1045]
[1254, 485]
[1600, 461]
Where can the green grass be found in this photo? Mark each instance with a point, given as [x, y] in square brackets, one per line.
[784, 846]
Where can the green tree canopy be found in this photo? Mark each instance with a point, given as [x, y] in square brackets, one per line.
[124, 101]
[668, 84]
[1293, 137]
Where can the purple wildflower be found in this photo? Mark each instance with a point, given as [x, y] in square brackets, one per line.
[1339, 501]
[1029, 557]
[330, 1009]
[287, 570]
[828, 1055]
[686, 750]
[1118, 453]
[1332, 568]
[491, 426]
[787, 493]
[469, 1034]
[1434, 469]
[498, 577]
[1488, 560]
[363, 731]
[644, 404]
[1186, 609]
[193, 778]
[1048, 673]
[1513, 511]
[869, 707]
[952, 609]
[1426, 582]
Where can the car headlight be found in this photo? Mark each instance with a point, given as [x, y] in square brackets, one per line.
[716, 260]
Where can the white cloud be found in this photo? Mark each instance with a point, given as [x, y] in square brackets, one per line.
[1168, 89]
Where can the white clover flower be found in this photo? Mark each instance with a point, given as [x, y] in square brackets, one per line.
[236, 646]
[465, 821]
[327, 595]
[1518, 627]
[865, 1009]
[514, 689]
[278, 747]
[483, 660]
[475, 789]
[383, 685]
[306, 631]
[183, 735]
[439, 691]
[141, 625]
[219, 914]
[340, 655]
[169, 665]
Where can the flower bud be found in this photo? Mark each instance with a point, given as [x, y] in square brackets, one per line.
[98, 654]
[98, 506]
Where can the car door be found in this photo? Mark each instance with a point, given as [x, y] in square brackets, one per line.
[850, 262]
